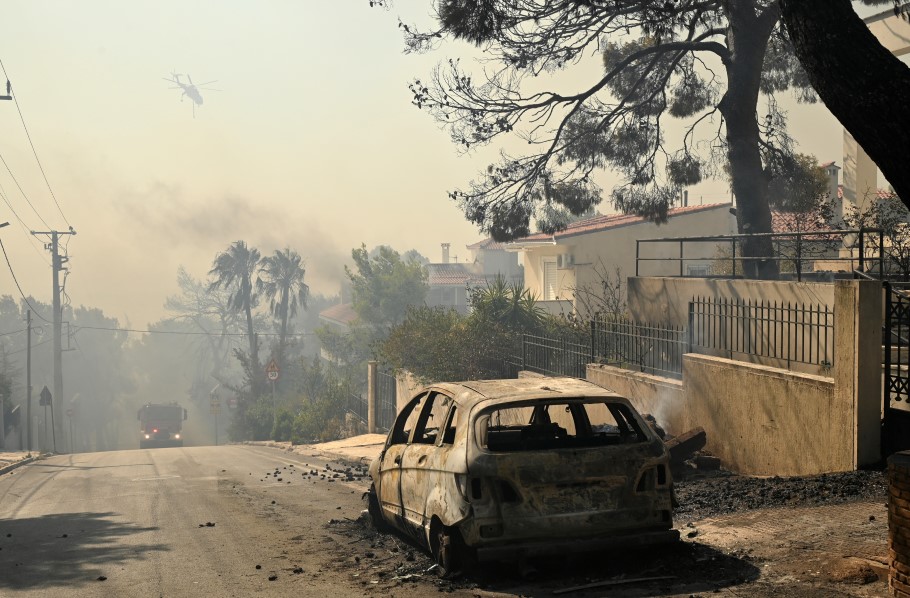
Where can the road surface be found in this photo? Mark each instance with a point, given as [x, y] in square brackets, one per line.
[172, 522]
[259, 521]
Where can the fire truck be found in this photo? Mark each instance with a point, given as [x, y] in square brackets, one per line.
[160, 425]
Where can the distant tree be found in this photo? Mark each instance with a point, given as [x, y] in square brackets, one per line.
[801, 189]
[234, 269]
[412, 255]
[857, 79]
[889, 214]
[660, 60]
[7, 375]
[98, 379]
[281, 280]
[437, 344]
[208, 310]
[384, 286]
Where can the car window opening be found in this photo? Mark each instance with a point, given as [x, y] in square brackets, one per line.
[557, 424]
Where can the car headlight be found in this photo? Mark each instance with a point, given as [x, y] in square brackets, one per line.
[177, 436]
[147, 436]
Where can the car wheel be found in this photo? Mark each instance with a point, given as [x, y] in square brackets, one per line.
[447, 550]
[375, 511]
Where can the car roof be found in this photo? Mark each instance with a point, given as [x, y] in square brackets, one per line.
[472, 392]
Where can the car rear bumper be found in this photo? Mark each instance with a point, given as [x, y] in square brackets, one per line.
[507, 551]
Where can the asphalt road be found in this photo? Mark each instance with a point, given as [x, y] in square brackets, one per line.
[198, 521]
[173, 522]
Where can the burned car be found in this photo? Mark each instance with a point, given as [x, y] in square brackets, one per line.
[506, 469]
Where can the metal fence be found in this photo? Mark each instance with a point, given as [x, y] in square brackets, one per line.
[797, 254]
[732, 328]
[651, 348]
[785, 331]
[555, 356]
[386, 395]
[357, 406]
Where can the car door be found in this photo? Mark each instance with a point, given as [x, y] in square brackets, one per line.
[421, 461]
[389, 483]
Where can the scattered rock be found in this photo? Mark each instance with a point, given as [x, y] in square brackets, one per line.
[298, 570]
[258, 566]
[101, 578]
[273, 576]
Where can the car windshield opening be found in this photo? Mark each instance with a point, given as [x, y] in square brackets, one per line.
[556, 424]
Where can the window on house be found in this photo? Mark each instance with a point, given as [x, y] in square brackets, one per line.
[550, 284]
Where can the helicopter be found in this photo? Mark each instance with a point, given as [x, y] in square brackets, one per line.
[190, 89]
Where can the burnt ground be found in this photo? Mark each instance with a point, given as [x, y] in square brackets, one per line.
[700, 497]
[730, 546]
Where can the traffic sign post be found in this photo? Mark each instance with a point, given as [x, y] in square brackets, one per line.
[272, 371]
[47, 400]
[215, 406]
[69, 417]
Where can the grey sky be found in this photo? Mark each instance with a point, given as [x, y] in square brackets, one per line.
[311, 143]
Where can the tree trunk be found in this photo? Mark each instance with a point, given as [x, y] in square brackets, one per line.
[285, 293]
[860, 81]
[254, 353]
[747, 39]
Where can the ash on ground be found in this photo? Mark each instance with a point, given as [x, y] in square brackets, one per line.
[723, 493]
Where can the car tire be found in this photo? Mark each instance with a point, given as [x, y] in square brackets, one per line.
[375, 511]
[449, 551]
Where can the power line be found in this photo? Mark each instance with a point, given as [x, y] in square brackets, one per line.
[34, 151]
[13, 332]
[33, 346]
[27, 200]
[22, 225]
[187, 333]
[29, 303]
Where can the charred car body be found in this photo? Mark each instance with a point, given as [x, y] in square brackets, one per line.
[500, 469]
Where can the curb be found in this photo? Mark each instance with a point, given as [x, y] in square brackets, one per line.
[12, 466]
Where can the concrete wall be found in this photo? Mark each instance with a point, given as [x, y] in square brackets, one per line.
[766, 421]
[758, 420]
[666, 300]
[762, 420]
[664, 398]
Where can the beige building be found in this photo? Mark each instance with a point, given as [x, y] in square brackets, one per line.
[557, 267]
[450, 280]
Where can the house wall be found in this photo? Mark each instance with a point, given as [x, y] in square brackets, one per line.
[666, 300]
[502, 262]
[599, 253]
[455, 296]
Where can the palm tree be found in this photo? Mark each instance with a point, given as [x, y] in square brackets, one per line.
[281, 281]
[509, 304]
[234, 269]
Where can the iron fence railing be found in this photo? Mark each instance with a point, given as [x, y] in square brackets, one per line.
[650, 348]
[386, 395]
[732, 328]
[555, 356]
[357, 406]
[796, 253]
[802, 333]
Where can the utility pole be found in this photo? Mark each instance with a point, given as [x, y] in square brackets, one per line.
[28, 378]
[57, 262]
